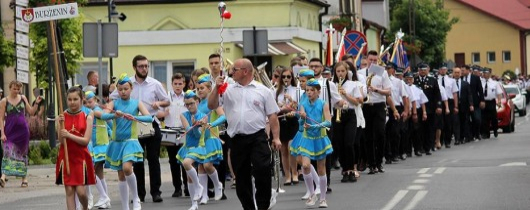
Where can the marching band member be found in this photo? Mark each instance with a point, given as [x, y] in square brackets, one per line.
[492, 96]
[77, 134]
[100, 142]
[124, 150]
[358, 144]
[399, 98]
[345, 122]
[314, 143]
[304, 75]
[419, 114]
[214, 149]
[248, 104]
[450, 125]
[285, 97]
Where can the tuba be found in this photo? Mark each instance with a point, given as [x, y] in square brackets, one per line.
[368, 84]
[261, 76]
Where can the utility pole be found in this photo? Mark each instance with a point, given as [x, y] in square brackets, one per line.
[412, 30]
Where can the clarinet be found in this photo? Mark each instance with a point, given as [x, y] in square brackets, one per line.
[284, 119]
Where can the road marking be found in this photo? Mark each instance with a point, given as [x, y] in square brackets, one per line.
[514, 164]
[416, 199]
[439, 170]
[425, 175]
[423, 170]
[442, 160]
[416, 187]
[421, 181]
[395, 200]
[455, 161]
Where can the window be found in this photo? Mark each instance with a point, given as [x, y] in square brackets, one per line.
[475, 57]
[164, 70]
[80, 78]
[491, 57]
[506, 56]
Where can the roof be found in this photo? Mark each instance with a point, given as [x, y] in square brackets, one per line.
[514, 12]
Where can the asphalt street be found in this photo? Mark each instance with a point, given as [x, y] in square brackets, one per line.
[488, 174]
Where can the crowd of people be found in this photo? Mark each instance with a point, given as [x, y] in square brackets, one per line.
[350, 118]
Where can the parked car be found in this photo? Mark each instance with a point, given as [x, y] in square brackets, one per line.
[505, 113]
[519, 100]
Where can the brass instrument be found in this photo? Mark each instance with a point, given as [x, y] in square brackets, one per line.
[261, 76]
[339, 110]
[277, 171]
[368, 84]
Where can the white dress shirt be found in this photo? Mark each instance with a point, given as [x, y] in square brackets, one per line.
[450, 85]
[380, 82]
[358, 109]
[420, 96]
[443, 93]
[493, 89]
[148, 92]
[353, 90]
[247, 107]
[291, 91]
[398, 91]
[411, 96]
[176, 108]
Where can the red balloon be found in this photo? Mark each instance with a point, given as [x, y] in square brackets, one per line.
[227, 14]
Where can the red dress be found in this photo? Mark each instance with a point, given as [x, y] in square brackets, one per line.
[81, 166]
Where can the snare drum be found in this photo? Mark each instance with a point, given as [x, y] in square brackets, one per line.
[145, 130]
[169, 137]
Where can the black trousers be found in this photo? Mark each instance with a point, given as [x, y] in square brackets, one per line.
[344, 138]
[393, 135]
[448, 128]
[429, 130]
[178, 173]
[375, 117]
[405, 145]
[151, 148]
[465, 131]
[251, 157]
[359, 146]
[222, 168]
[416, 136]
[489, 118]
[476, 121]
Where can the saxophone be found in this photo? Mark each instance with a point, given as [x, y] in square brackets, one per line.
[339, 110]
[368, 84]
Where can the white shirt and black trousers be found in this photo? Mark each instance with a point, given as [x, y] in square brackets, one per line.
[344, 132]
[172, 121]
[148, 92]
[489, 114]
[246, 110]
[451, 121]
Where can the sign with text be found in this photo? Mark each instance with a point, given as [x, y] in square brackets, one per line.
[22, 39]
[22, 64]
[22, 2]
[23, 76]
[22, 26]
[22, 52]
[40, 14]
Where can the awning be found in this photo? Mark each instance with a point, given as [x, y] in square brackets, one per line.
[281, 48]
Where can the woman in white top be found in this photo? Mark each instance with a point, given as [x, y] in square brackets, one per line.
[345, 125]
[358, 144]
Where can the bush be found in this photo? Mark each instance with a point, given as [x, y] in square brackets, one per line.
[45, 149]
[53, 155]
[35, 157]
[163, 152]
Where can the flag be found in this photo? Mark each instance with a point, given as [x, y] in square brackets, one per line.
[399, 55]
[358, 61]
[342, 50]
[329, 46]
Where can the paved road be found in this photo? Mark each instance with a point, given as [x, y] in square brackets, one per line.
[489, 174]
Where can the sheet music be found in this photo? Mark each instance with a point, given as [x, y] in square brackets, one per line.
[376, 69]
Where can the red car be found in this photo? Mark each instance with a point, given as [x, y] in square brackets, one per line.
[505, 113]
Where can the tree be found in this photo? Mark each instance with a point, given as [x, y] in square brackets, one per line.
[72, 40]
[7, 51]
[432, 25]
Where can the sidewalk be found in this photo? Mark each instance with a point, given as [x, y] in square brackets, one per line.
[41, 181]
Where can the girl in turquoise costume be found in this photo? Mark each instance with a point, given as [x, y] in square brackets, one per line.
[124, 149]
[214, 149]
[314, 143]
[100, 142]
[193, 151]
[304, 75]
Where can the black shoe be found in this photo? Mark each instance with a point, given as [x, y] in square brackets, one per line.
[372, 170]
[409, 155]
[224, 197]
[428, 153]
[447, 146]
[351, 177]
[177, 194]
[336, 165]
[157, 199]
[186, 193]
[418, 154]
[345, 177]
[388, 162]
[362, 166]
[300, 177]
[329, 190]
[380, 169]
[395, 159]
[211, 193]
[457, 143]
[495, 133]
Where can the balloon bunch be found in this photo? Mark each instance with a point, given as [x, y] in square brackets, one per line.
[225, 14]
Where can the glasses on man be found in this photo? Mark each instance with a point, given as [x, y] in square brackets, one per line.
[236, 69]
[286, 76]
[315, 66]
[189, 104]
[142, 66]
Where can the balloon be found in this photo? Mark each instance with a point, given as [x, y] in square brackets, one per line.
[222, 8]
[227, 15]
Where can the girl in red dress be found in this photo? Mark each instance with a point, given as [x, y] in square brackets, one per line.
[77, 132]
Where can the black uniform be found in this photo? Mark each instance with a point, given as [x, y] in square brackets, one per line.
[430, 87]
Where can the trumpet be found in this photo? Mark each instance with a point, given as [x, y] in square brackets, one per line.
[339, 110]
[368, 84]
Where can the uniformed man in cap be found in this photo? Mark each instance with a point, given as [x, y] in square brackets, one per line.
[451, 90]
[492, 96]
[399, 98]
[430, 87]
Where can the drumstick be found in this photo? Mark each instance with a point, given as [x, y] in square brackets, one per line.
[114, 112]
[314, 121]
[192, 127]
